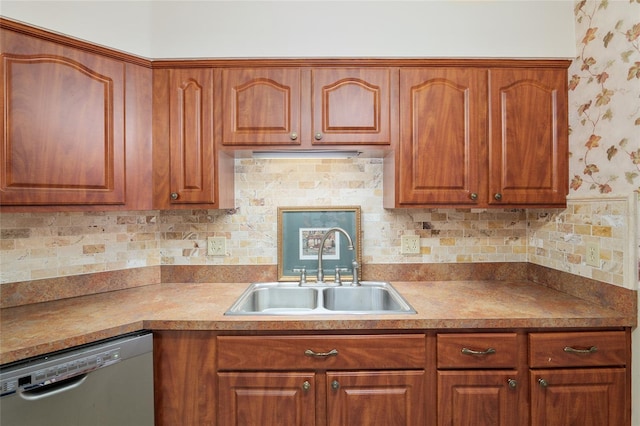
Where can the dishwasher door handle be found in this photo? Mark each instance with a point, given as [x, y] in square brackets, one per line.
[52, 389]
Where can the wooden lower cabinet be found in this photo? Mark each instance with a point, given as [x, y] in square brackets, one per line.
[353, 398]
[585, 397]
[369, 398]
[479, 398]
[512, 378]
[284, 398]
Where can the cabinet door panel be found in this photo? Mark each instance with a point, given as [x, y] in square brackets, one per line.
[376, 398]
[351, 106]
[257, 399]
[63, 121]
[261, 106]
[585, 397]
[191, 136]
[529, 136]
[442, 124]
[478, 398]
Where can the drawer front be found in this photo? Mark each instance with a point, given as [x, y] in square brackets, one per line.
[321, 352]
[477, 350]
[577, 349]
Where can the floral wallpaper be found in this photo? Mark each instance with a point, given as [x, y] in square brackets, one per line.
[604, 95]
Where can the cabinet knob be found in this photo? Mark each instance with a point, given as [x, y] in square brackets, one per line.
[335, 385]
[473, 196]
[512, 383]
[306, 385]
[293, 136]
[543, 383]
[318, 136]
[174, 196]
[498, 196]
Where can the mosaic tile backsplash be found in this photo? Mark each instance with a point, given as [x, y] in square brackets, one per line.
[46, 245]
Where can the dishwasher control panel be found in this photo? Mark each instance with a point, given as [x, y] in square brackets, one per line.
[55, 370]
[32, 374]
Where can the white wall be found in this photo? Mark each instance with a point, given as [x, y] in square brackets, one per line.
[436, 28]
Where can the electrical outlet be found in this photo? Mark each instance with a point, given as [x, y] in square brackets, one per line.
[593, 254]
[216, 246]
[410, 244]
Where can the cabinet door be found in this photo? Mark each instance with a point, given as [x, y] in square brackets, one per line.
[478, 398]
[64, 126]
[376, 398]
[257, 399]
[261, 106]
[529, 136]
[351, 106]
[192, 154]
[442, 126]
[585, 397]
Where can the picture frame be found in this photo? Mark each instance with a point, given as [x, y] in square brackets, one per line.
[300, 230]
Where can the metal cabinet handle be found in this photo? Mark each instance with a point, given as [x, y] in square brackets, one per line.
[174, 196]
[335, 385]
[591, 350]
[543, 383]
[318, 136]
[306, 385]
[332, 352]
[473, 196]
[498, 196]
[487, 351]
[512, 383]
[293, 136]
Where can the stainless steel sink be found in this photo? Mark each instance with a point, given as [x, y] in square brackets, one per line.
[275, 298]
[364, 298]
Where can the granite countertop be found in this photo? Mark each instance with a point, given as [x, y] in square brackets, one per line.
[39, 328]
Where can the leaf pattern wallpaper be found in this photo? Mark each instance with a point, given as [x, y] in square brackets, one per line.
[604, 98]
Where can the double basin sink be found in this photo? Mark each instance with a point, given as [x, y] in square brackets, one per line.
[277, 298]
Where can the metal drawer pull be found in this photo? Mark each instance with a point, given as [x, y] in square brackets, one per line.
[335, 385]
[488, 351]
[306, 385]
[543, 383]
[332, 352]
[591, 350]
[512, 383]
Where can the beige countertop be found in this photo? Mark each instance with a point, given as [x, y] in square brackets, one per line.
[49, 326]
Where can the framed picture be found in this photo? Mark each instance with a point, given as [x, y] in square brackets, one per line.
[300, 232]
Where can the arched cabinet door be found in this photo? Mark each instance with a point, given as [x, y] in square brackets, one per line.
[528, 161]
[351, 106]
[442, 127]
[260, 106]
[63, 139]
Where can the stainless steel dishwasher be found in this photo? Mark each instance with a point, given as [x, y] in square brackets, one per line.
[101, 384]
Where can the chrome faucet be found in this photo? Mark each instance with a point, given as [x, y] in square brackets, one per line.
[320, 277]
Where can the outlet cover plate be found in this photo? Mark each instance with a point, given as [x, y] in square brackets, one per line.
[216, 246]
[410, 244]
[593, 254]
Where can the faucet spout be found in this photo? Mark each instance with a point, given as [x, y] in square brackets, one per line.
[320, 276]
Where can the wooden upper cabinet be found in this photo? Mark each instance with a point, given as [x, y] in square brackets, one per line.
[261, 106]
[188, 172]
[351, 106]
[192, 151]
[306, 107]
[442, 125]
[528, 160]
[481, 137]
[63, 115]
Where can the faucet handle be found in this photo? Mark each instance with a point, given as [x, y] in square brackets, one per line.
[303, 274]
[339, 269]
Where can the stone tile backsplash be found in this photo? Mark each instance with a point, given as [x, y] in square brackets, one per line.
[47, 245]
